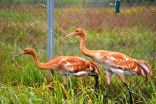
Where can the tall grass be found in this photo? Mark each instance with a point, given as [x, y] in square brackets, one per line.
[22, 82]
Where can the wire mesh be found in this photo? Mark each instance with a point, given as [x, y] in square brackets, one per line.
[132, 31]
[99, 20]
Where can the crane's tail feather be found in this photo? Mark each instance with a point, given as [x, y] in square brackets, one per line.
[145, 67]
[96, 69]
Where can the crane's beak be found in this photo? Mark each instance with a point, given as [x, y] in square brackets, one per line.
[19, 55]
[69, 35]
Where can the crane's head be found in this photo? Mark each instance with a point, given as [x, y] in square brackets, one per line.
[26, 51]
[78, 32]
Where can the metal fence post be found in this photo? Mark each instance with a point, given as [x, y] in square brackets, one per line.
[50, 46]
[117, 6]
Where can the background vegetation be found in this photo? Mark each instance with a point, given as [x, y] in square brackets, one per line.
[80, 2]
[132, 32]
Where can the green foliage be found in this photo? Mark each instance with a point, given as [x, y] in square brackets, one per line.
[15, 16]
[22, 82]
[21, 1]
[75, 2]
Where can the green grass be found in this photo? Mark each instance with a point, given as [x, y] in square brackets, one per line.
[22, 82]
[15, 16]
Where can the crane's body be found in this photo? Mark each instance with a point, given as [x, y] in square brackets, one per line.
[120, 63]
[67, 65]
[72, 66]
[114, 62]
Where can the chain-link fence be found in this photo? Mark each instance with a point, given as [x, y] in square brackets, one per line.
[30, 18]
[99, 19]
[132, 31]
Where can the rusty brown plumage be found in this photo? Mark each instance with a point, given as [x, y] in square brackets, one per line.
[66, 65]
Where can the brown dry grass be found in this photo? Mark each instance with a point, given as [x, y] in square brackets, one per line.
[104, 18]
[25, 26]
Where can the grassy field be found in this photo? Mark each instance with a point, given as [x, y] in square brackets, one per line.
[132, 32]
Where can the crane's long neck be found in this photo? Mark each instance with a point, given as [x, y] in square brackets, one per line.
[37, 62]
[83, 48]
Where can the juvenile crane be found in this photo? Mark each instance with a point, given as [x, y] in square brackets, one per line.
[67, 65]
[114, 62]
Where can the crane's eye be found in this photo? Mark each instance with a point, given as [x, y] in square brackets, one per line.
[76, 30]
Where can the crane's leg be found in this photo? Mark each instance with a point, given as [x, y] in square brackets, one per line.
[96, 77]
[130, 94]
[96, 86]
[96, 82]
[122, 77]
[109, 75]
[65, 81]
[52, 72]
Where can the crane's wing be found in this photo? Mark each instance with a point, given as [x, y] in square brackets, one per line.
[123, 62]
[74, 64]
[117, 60]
